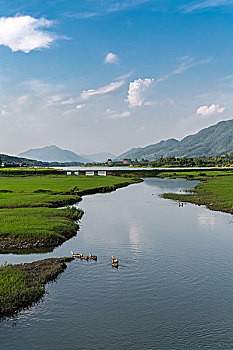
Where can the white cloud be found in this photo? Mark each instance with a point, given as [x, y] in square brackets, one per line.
[103, 8]
[69, 101]
[81, 106]
[149, 103]
[108, 110]
[54, 100]
[138, 90]
[85, 95]
[3, 111]
[202, 5]
[111, 58]
[25, 33]
[208, 110]
[120, 115]
[188, 62]
[124, 76]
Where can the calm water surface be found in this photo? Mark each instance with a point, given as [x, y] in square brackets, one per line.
[173, 289]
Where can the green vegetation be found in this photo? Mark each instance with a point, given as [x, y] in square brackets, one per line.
[24, 284]
[13, 161]
[200, 175]
[21, 171]
[215, 191]
[216, 139]
[33, 228]
[28, 220]
[52, 190]
[225, 160]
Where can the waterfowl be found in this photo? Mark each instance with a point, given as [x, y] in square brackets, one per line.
[85, 257]
[114, 261]
[115, 265]
[75, 255]
[93, 257]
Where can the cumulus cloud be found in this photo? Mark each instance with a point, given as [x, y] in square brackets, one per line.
[111, 58]
[208, 110]
[25, 33]
[138, 90]
[86, 95]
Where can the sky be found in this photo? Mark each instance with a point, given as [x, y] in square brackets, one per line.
[108, 75]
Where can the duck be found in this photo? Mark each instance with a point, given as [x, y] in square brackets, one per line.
[114, 261]
[84, 257]
[75, 255]
[93, 257]
[115, 265]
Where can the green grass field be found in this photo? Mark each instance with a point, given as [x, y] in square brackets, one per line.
[28, 219]
[215, 191]
[31, 191]
[196, 174]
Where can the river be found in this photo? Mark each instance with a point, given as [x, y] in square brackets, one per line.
[173, 288]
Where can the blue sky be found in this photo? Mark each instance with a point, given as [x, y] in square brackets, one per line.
[107, 75]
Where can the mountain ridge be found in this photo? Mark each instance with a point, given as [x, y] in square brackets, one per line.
[53, 153]
[216, 139]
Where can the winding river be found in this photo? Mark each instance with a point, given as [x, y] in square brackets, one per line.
[172, 290]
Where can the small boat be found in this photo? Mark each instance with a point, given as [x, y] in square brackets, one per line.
[75, 255]
[93, 257]
[181, 204]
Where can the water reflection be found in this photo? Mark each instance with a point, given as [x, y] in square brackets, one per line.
[207, 218]
[135, 235]
[173, 289]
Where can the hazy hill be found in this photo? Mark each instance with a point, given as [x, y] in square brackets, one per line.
[214, 140]
[53, 154]
[99, 157]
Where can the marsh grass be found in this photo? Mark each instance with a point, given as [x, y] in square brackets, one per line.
[216, 192]
[28, 218]
[24, 284]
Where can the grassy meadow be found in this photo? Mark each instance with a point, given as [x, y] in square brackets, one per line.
[28, 218]
[215, 190]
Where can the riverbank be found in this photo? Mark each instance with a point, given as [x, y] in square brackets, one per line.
[29, 220]
[22, 285]
[215, 190]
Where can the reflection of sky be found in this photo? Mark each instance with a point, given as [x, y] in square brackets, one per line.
[135, 234]
[132, 218]
[175, 276]
[207, 218]
[170, 185]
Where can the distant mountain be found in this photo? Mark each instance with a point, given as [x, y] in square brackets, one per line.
[99, 157]
[214, 140]
[53, 154]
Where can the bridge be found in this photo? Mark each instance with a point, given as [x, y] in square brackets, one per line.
[137, 171]
[90, 172]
